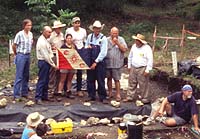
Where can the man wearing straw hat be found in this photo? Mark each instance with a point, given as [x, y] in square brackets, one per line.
[56, 40]
[140, 62]
[79, 37]
[97, 43]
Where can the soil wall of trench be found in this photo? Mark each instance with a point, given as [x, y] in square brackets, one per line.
[172, 84]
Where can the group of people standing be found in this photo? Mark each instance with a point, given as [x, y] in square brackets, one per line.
[104, 56]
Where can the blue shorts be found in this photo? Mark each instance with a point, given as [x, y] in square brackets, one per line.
[178, 119]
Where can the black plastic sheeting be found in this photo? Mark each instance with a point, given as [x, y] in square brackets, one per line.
[189, 67]
[14, 113]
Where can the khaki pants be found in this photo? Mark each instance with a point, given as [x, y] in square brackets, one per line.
[54, 77]
[136, 77]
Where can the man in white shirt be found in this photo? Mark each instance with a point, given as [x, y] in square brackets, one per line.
[79, 37]
[56, 40]
[140, 62]
[44, 56]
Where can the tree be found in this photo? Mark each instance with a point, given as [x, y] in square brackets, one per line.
[43, 15]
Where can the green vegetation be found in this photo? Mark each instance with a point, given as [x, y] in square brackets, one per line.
[43, 15]
[130, 16]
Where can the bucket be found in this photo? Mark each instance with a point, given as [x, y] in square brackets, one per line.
[135, 131]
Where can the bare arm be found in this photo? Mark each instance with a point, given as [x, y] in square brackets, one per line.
[121, 46]
[195, 120]
[162, 108]
[14, 47]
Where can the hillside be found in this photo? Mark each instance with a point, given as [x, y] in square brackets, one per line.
[133, 19]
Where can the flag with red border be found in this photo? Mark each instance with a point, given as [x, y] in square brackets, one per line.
[70, 59]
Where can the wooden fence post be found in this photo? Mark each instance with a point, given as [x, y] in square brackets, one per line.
[10, 50]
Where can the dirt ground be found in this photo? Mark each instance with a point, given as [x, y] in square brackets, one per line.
[158, 89]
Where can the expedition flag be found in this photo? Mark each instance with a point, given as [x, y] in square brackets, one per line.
[70, 59]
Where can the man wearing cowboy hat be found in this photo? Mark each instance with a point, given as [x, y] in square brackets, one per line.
[56, 41]
[140, 62]
[32, 120]
[97, 43]
[79, 37]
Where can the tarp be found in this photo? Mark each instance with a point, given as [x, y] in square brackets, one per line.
[189, 67]
[13, 113]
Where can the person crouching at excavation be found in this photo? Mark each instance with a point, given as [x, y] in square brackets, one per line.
[183, 109]
[69, 73]
[32, 121]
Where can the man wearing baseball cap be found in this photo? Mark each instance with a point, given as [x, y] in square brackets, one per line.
[79, 37]
[181, 112]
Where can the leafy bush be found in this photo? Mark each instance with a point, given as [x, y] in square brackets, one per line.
[87, 7]
[140, 28]
[3, 52]
[197, 12]
[43, 14]
[11, 21]
[159, 3]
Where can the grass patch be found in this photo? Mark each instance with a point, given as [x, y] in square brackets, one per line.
[7, 74]
[3, 52]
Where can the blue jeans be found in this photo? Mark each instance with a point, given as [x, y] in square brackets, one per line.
[79, 80]
[43, 81]
[79, 72]
[98, 74]
[22, 62]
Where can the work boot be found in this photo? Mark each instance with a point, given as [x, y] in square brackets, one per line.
[80, 94]
[69, 95]
[39, 102]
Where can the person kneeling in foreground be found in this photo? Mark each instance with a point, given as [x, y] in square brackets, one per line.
[33, 120]
[181, 112]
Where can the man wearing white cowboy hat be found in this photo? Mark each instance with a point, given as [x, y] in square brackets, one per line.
[33, 120]
[79, 37]
[140, 62]
[56, 41]
[97, 43]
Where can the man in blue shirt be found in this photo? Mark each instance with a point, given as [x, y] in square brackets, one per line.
[22, 48]
[97, 46]
[182, 111]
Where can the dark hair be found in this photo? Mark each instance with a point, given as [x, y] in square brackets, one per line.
[68, 35]
[41, 129]
[26, 21]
